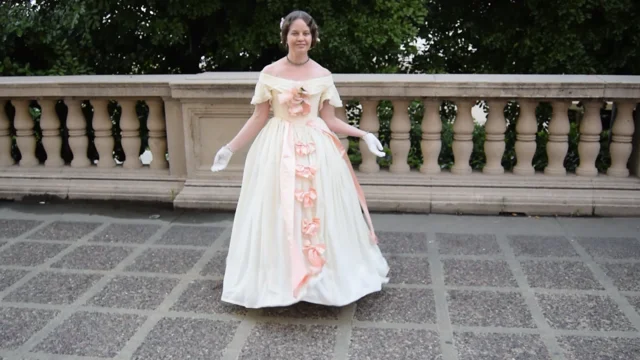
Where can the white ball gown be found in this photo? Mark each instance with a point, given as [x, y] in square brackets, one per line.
[302, 230]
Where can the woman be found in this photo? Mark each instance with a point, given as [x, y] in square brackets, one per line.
[299, 233]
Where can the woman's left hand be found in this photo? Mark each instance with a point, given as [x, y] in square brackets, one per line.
[374, 144]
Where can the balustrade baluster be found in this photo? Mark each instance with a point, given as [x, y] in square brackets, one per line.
[494, 145]
[103, 131]
[25, 137]
[400, 131]
[589, 145]
[51, 138]
[526, 129]
[431, 143]
[5, 137]
[558, 144]
[78, 140]
[622, 134]
[369, 122]
[462, 138]
[130, 126]
[157, 134]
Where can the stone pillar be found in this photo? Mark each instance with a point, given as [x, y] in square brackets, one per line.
[51, 139]
[526, 129]
[494, 145]
[25, 138]
[369, 122]
[78, 140]
[176, 129]
[558, 144]
[431, 137]
[130, 126]
[589, 145]
[462, 138]
[634, 160]
[103, 131]
[157, 134]
[400, 143]
[5, 137]
[621, 147]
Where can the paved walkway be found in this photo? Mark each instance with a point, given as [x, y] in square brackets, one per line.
[94, 282]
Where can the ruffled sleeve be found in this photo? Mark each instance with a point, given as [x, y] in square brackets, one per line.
[331, 94]
[262, 93]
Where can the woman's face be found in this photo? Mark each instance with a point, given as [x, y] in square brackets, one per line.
[299, 37]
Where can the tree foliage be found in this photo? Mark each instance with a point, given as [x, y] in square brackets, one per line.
[189, 36]
[533, 36]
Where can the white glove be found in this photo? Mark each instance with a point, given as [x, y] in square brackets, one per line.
[374, 144]
[222, 158]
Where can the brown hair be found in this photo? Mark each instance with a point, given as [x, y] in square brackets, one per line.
[293, 16]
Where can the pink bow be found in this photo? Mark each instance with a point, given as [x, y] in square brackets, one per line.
[305, 149]
[310, 227]
[307, 172]
[307, 197]
[315, 256]
[296, 99]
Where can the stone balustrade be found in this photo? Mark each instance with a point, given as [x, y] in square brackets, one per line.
[81, 137]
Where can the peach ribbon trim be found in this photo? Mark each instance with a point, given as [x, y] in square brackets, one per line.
[361, 197]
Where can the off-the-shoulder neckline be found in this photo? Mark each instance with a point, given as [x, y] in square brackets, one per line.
[298, 81]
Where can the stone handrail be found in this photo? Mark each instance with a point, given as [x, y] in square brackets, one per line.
[191, 116]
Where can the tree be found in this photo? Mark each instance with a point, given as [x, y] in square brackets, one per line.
[190, 36]
[533, 36]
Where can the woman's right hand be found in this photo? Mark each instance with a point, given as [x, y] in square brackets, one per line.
[222, 158]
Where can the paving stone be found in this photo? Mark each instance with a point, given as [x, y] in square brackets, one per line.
[144, 293]
[394, 344]
[489, 308]
[560, 275]
[12, 228]
[287, 341]
[304, 310]
[402, 242]
[225, 241]
[408, 270]
[191, 235]
[30, 253]
[216, 266]
[126, 233]
[611, 247]
[91, 334]
[583, 312]
[635, 302]
[204, 217]
[18, 325]
[489, 346]
[53, 288]
[9, 277]
[94, 257]
[180, 338]
[467, 244]
[478, 273]
[541, 246]
[64, 231]
[625, 277]
[593, 348]
[398, 305]
[174, 261]
[203, 296]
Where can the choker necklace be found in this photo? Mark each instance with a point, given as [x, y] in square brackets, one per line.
[298, 64]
